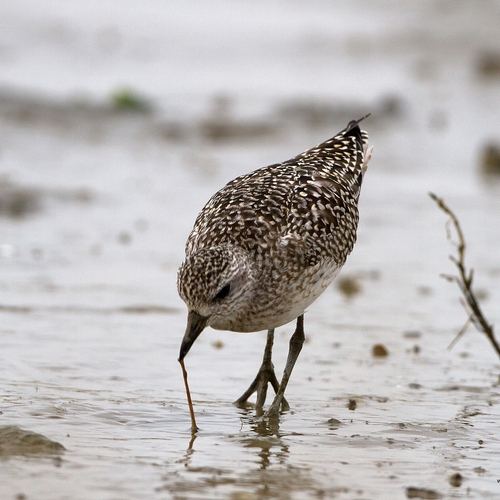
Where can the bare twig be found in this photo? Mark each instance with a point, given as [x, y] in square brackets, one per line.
[194, 427]
[464, 281]
[459, 334]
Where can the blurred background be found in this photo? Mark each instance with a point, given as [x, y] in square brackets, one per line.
[119, 119]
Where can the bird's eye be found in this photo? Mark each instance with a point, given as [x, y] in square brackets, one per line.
[223, 292]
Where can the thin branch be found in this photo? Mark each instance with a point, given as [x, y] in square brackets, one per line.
[464, 280]
[459, 334]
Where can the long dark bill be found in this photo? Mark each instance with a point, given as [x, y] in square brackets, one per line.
[196, 324]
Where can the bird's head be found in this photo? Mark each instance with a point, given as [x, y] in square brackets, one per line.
[215, 283]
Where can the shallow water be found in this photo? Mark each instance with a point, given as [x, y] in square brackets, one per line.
[100, 202]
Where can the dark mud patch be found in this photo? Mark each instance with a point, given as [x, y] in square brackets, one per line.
[138, 309]
[25, 109]
[316, 114]
[128, 113]
[19, 202]
[423, 493]
[230, 129]
[18, 442]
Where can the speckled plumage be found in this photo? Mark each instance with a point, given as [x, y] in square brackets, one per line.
[275, 238]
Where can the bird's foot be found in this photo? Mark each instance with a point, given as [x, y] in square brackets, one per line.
[265, 376]
[278, 403]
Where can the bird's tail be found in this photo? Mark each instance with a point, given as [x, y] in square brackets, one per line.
[352, 126]
[353, 129]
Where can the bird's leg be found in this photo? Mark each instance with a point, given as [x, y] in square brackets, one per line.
[296, 343]
[264, 376]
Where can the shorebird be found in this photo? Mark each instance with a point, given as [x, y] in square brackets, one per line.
[268, 244]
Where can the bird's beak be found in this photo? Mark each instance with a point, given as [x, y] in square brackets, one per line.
[196, 324]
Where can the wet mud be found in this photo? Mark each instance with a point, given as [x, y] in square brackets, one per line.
[18, 442]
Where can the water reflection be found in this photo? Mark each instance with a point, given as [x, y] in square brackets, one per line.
[188, 455]
[260, 464]
[265, 437]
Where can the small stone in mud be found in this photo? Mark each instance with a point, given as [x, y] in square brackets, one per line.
[489, 65]
[490, 159]
[352, 404]
[17, 202]
[333, 423]
[422, 493]
[218, 344]
[379, 351]
[456, 479]
[414, 385]
[349, 286]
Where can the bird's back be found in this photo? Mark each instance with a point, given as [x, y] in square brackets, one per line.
[308, 204]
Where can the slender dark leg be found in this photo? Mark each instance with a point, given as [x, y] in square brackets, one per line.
[296, 343]
[264, 376]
